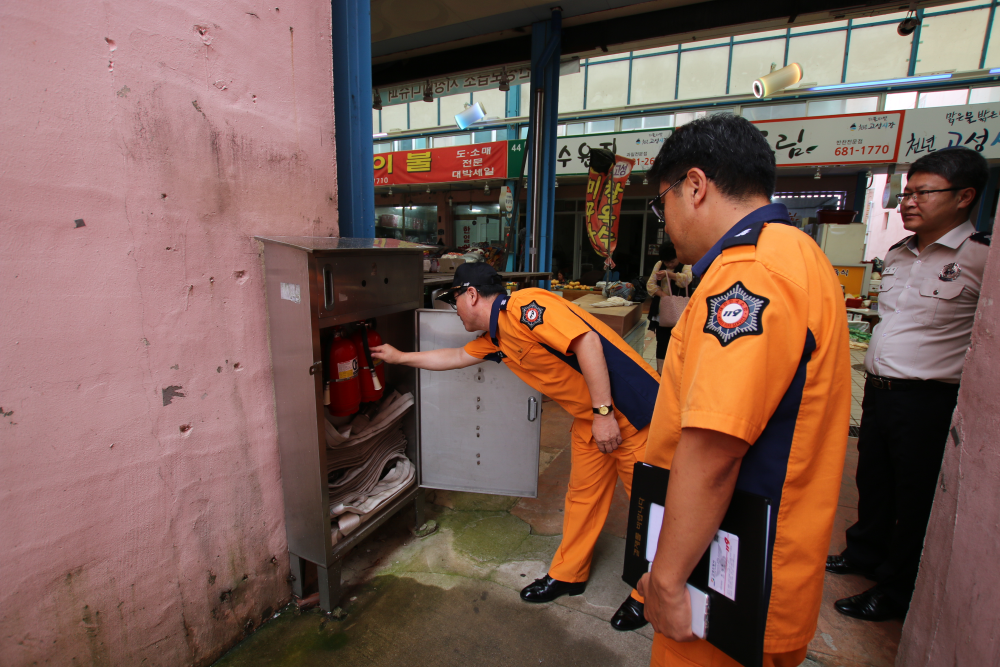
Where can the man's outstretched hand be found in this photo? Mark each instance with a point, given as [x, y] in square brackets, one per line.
[387, 353]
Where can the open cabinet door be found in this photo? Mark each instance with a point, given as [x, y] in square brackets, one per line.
[480, 426]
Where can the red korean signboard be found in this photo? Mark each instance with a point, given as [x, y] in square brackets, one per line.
[442, 165]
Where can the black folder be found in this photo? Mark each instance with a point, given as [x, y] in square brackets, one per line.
[734, 627]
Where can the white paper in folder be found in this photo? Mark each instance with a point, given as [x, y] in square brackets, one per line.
[699, 598]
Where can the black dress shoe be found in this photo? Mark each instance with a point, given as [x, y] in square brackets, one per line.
[548, 589]
[629, 616]
[872, 605]
[838, 564]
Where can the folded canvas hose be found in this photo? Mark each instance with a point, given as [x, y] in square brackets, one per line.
[350, 514]
[361, 458]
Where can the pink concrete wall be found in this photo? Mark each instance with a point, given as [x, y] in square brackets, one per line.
[140, 499]
[885, 225]
[955, 613]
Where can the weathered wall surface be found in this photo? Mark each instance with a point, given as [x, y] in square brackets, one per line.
[885, 225]
[144, 143]
[954, 615]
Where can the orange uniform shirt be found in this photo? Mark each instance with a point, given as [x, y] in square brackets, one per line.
[531, 331]
[761, 353]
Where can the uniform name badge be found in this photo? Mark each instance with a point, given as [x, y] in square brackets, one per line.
[950, 272]
[735, 313]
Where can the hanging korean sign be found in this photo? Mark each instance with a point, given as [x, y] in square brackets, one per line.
[605, 185]
[453, 85]
[573, 153]
[975, 126]
[850, 139]
[442, 165]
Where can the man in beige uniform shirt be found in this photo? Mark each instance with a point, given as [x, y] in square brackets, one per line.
[930, 288]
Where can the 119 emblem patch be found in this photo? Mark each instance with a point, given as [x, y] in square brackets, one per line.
[531, 315]
[734, 313]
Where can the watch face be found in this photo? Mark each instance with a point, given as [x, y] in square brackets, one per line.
[604, 410]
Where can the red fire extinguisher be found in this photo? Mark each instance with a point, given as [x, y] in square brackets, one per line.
[345, 389]
[372, 374]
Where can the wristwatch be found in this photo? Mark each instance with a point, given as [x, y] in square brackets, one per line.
[604, 410]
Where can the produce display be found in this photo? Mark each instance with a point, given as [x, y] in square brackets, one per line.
[573, 284]
[859, 340]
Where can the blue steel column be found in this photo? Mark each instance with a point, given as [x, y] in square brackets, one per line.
[352, 113]
[545, 51]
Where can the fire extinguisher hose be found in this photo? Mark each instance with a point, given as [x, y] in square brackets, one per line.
[368, 356]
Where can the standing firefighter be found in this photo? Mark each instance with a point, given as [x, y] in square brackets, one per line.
[756, 389]
[562, 351]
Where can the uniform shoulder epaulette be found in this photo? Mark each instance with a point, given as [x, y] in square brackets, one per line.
[901, 242]
[748, 236]
[981, 237]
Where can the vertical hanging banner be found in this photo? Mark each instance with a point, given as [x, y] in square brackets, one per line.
[605, 186]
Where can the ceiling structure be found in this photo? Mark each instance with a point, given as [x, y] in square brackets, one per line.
[413, 40]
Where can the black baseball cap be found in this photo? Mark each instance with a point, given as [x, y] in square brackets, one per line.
[477, 274]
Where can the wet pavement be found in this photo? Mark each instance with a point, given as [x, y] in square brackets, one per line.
[451, 598]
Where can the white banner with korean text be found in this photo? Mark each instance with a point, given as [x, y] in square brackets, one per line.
[573, 153]
[452, 85]
[822, 140]
[975, 126]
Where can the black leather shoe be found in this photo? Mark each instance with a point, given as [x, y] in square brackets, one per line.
[629, 616]
[548, 589]
[838, 564]
[872, 605]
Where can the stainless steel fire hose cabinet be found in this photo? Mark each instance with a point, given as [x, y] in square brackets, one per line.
[472, 429]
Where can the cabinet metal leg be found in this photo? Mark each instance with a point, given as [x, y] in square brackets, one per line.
[418, 509]
[298, 571]
[329, 585]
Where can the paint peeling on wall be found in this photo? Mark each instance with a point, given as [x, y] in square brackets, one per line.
[126, 494]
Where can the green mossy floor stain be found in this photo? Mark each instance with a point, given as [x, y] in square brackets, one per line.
[401, 621]
[293, 638]
[486, 537]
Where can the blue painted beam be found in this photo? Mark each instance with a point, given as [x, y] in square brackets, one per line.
[514, 102]
[352, 112]
[545, 50]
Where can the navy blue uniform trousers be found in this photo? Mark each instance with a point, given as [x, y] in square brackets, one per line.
[900, 446]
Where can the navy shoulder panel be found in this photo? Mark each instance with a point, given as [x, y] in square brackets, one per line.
[747, 237]
[901, 242]
[981, 237]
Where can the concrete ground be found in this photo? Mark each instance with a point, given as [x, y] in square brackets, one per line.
[451, 598]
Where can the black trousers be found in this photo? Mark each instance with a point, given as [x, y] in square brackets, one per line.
[662, 339]
[902, 438]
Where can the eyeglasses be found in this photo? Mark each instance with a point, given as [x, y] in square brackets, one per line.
[657, 204]
[454, 302]
[920, 196]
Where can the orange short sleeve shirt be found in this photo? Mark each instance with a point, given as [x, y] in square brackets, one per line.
[761, 353]
[531, 332]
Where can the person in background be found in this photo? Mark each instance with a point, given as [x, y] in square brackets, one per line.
[755, 393]
[927, 302]
[665, 280]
